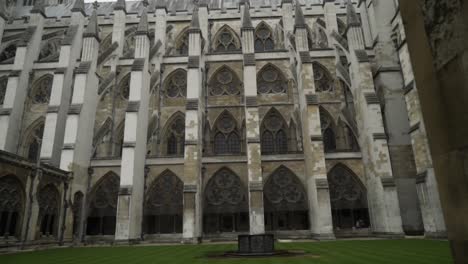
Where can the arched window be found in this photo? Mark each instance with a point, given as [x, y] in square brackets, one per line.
[274, 137]
[176, 84]
[129, 43]
[3, 88]
[285, 202]
[33, 140]
[182, 43]
[8, 54]
[11, 206]
[226, 40]
[263, 38]
[175, 135]
[164, 205]
[329, 137]
[103, 206]
[226, 139]
[42, 89]
[224, 82]
[270, 80]
[50, 50]
[49, 204]
[341, 27]
[317, 38]
[348, 199]
[124, 87]
[226, 207]
[322, 77]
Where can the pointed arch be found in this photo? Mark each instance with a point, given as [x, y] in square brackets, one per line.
[285, 201]
[3, 88]
[322, 78]
[175, 84]
[263, 38]
[226, 40]
[48, 199]
[118, 139]
[317, 36]
[182, 42]
[12, 200]
[226, 207]
[348, 197]
[274, 133]
[224, 81]
[226, 135]
[328, 127]
[174, 135]
[164, 204]
[50, 49]
[349, 135]
[129, 42]
[341, 26]
[41, 89]
[271, 80]
[8, 54]
[101, 136]
[103, 205]
[32, 139]
[124, 87]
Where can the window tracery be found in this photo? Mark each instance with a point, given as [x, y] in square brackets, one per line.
[329, 137]
[285, 201]
[176, 136]
[317, 38]
[176, 84]
[227, 139]
[224, 82]
[182, 43]
[226, 41]
[50, 50]
[274, 139]
[3, 88]
[271, 81]
[49, 202]
[322, 77]
[263, 38]
[42, 89]
[125, 87]
[8, 54]
[11, 205]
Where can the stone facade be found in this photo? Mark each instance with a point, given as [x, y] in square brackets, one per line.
[182, 122]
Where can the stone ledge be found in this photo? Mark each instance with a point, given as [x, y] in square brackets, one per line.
[53, 109]
[251, 101]
[321, 183]
[414, 128]
[68, 146]
[379, 136]
[129, 145]
[75, 109]
[388, 182]
[317, 138]
[190, 188]
[305, 57]
[408, 88]
[191, 142]
[138, 65]
[254, 140]
[125, 190]
[193, 62]
[421, 177]
[83, 68]
[249, 59]
[371, 98]
[5, 111]
[312, 99]
[256, 186]
[361, 56]
[133, 106]
[192, 104]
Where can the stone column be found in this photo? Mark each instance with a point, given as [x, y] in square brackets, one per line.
[31, 213]
[366, 28]
[288, 21]
[252, 124]
[131, 194]
[316, 172]
[78, 139]
[329, 10]
[193, 136]
[61, 89]
[27, 52]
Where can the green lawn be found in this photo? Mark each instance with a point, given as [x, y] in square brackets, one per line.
[350, 251]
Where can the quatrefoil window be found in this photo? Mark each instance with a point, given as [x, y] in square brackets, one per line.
[225, 82]
[176, 84]
[271, 81]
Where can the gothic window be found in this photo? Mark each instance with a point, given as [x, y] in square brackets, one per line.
[182, 43]
[129, 43]
[226, 40]
[285, 202]
[271, 81]
[224, 82]
[50, 50]
[176, 84]
[226, 139]
[175, 136]
[164, 205]
[49, 203]
[42, 89]
[103, 206]
[263, 38]
[76, 208]
[322, 77]
[317, 38]
[348, 199]
[11, 206]
[329, 138]
[8, 54]
[341, 27]
[124, 89]
[225, 203]
[3, 88]
[274, 139]
[34, 141]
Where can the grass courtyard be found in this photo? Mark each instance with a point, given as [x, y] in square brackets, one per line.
[349, 251]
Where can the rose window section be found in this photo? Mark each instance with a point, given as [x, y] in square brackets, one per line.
[225, 82]
[271, 81]
[176, 84]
